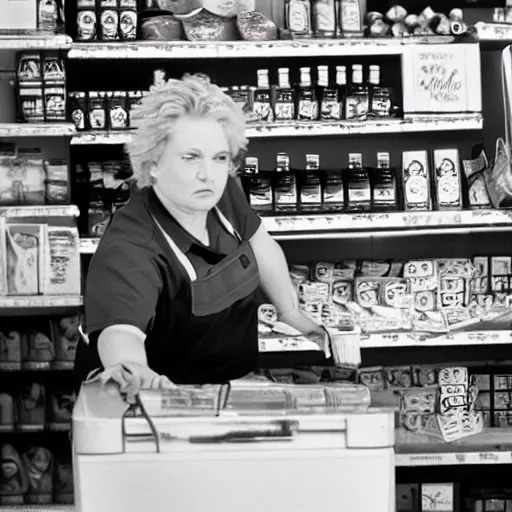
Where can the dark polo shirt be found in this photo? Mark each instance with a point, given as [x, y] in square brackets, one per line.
[131, 280]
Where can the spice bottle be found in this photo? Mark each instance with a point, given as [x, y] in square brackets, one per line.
[308, 103]
[384, 193]
[358, 184]
[324, 18]
[310, 186]
[262, 98]
[380, 97]
[357, 100]
[284, 107]
[258, 187]
[298, 18]
[350, 18]
[97, 110]
[285, 186]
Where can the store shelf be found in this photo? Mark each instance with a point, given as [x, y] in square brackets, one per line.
[249, 49]
[388, 221]
[22, 305]
[37, 129]
[493, 446]
[34, 41]
[46, 211]
[411, 124]
[409, 339]
[287, 345]
[39, 508]
[30, 429]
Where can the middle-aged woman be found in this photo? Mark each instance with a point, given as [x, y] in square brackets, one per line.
[173, 290]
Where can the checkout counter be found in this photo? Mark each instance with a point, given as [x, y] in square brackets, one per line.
[243, 447]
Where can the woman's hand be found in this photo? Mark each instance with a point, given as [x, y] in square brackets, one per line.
[132, 377]
[310, 329]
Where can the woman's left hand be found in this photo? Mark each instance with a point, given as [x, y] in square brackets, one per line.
[310, 329]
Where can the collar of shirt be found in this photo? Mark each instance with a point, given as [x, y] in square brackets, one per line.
[181, 237]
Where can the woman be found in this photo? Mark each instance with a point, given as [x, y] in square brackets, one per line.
[172, 291]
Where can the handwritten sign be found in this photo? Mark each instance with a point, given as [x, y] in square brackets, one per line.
[437, 79]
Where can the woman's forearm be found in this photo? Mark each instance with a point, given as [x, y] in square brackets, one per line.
[122, 343]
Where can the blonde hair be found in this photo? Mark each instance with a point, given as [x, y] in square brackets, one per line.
[155, 116]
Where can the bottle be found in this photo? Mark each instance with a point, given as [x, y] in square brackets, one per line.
[357, 101]
[324, 18]
[329, 99]
[298, 18]
[310, 186]
[350, 18]
[284, 97]
[341, 86]
[258, 187]
[384, 193]
[285, 186]
[358, 184]
[262, 99]
[333, 192]
[307, 108]
[380, 97]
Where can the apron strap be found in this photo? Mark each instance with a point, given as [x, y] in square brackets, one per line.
[179, 254]
[191, 271]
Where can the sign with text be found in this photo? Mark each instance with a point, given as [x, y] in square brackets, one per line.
[442, 79]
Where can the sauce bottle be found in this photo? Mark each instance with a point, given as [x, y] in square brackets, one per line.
[329, 98]
[307, 108]
[257, 186]
[262, 99]
[333, 193]
[298, 18]
[357, 100]
[358, 185]
[384, 194]
[284, 107]
[380, 97]
[285, 186]
[310, 186]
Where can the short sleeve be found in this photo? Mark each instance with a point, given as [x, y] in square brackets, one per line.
[234, 205]
[122, 287]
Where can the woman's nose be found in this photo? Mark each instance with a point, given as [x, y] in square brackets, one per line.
[203, 170]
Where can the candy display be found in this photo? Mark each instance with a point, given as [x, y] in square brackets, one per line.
[41, 88]
[34, 477]
[397, 22]
[46, 344]
[41, 259]
[430, 296]
[102, 110]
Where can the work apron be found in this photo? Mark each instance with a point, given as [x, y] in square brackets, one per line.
[218, 340]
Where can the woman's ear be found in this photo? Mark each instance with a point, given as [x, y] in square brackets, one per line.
[152, 171]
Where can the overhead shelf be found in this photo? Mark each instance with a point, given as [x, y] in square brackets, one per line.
[37, 129]
[411, 124]
[248, 49]
[34, 41]
[70, 210]
[40, 301]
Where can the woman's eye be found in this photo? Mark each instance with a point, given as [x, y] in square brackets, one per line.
[189, 158]
[222, 158]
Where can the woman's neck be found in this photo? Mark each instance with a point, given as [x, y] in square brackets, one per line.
[192, 221]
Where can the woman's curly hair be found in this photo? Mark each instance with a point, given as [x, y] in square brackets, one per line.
[155, 116]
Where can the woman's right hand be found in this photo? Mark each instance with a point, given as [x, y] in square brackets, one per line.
[132, 377]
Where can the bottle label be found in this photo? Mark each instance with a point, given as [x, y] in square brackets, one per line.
[384, 195]
[308, 109]
[350, 16]
[381, 102]
[298, 16]
[359, 195]
[260, 193]
[310, 191]
[262, 107]
[285, 111]
[286, 192]
[357, 106]
[324, 16]
[333, 192]
[416, 190]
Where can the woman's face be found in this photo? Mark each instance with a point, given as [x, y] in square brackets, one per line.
[193, 170]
